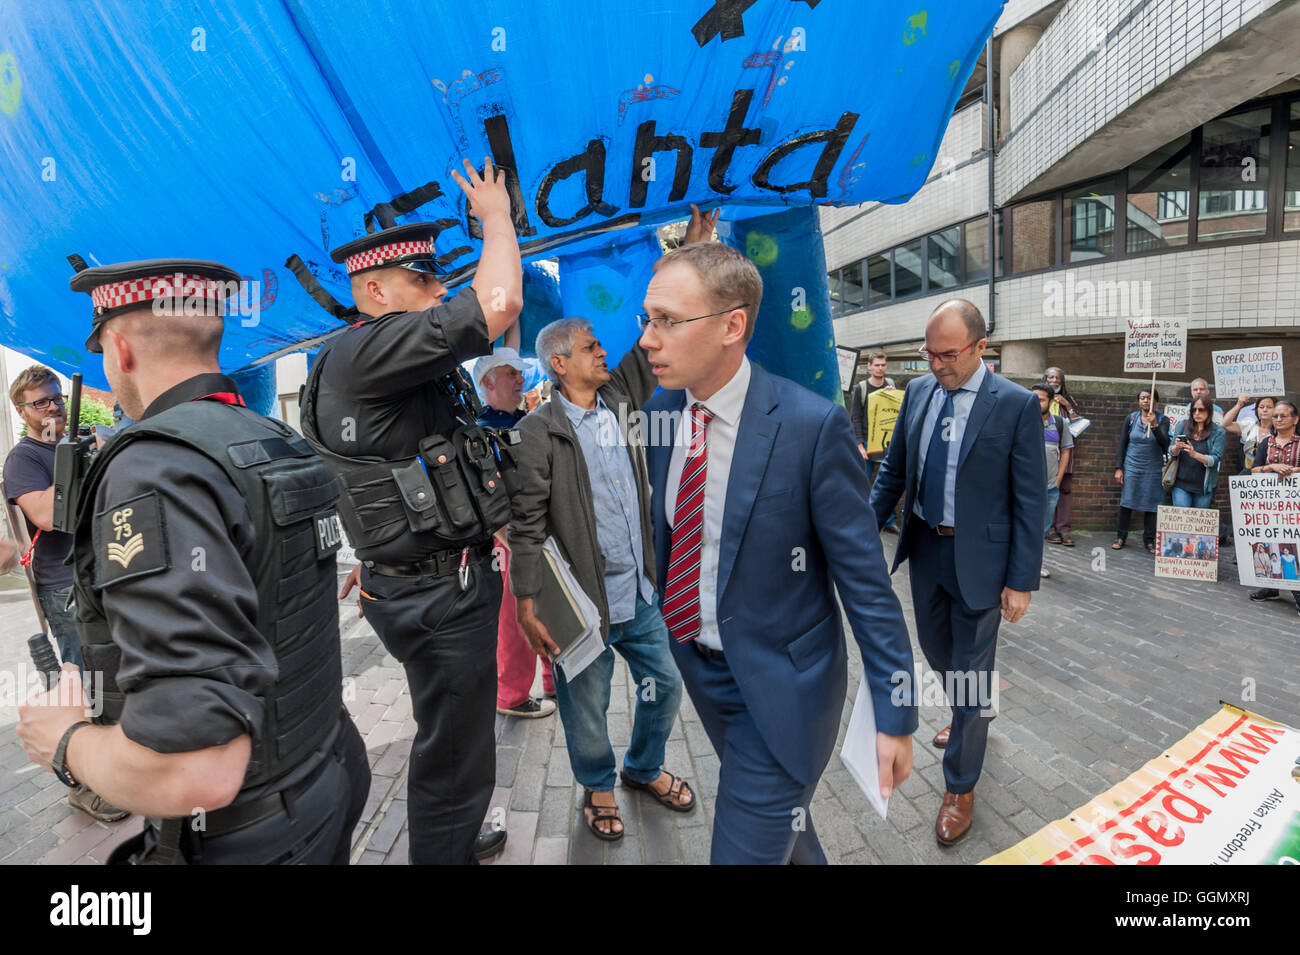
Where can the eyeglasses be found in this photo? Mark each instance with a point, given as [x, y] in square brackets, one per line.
[947, 357]
[644, 321]
[44, 404]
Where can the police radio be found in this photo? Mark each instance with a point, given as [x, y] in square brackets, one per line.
[72, 456]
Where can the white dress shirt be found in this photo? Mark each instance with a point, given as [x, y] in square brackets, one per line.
[963, 400]
[726, 405]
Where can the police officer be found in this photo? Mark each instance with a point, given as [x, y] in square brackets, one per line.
[385, 404]
[204, 549]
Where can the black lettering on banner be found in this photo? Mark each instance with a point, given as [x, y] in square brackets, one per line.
[727, 17]
[833, 140]
[725, 142]
[503, 158]
[647, 144]
[591, 161]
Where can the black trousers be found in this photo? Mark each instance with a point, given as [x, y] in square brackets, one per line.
[446, 639]
[957, 640]
[1148, 525]
[314, 828]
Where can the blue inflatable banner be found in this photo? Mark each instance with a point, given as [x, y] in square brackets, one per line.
[250, 131]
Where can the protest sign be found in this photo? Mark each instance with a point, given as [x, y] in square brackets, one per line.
[1187, 543]
[848, 362]
[882, 414]
[1225, 794]
[1248, 371]
[1175, 414]
[1266, 525]
[1155, 344]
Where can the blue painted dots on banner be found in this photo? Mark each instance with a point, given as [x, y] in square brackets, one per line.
[11, 85]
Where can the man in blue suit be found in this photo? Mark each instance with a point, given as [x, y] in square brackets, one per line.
[759, 504]
[967, 457]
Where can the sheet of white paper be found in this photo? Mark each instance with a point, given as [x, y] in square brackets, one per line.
[582, 653]
[1078, 426]
[859, 750]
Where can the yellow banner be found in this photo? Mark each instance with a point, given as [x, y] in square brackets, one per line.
[1227, 793]
[882, 413]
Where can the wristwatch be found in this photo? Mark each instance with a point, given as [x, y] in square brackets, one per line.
[59, 762]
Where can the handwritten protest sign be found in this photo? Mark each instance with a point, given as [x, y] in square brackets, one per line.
[1155, 344]
[848, 362]
[1175, 414]
[1187, 543]
[1249, 371]
[882, 415]
[1224, 794]
[1266, 519]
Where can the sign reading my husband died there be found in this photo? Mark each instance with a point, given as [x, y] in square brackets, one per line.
[1227, 793]
[1266, 522]
[1249, 371]
[1155, 344]
[1187, 543]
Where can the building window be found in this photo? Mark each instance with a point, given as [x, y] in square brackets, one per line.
[851, 287]
[1159, 197]
[1234, 176]
[1033, 242]
[908, 273]
[1088, 214]
[943, 266]
[1291, 210]
[879, 282]
[836, 290]
[975, 251]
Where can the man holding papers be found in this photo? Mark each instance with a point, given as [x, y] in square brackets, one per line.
[583, 482]
[760, 515]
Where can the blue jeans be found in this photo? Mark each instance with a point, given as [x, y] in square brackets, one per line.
[643, 643]
[1187, 499]
[1053, 495]
[872, 467]
[62, 623]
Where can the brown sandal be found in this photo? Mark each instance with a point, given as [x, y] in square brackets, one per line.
[1118, 545]
[597, 814]
[672, 798]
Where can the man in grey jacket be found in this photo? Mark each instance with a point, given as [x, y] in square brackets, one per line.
[584, 481]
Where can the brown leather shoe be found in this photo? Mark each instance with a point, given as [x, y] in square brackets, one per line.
[941, 738]
[955, 817]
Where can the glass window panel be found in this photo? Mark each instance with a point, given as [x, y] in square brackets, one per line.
[878, 290]
[1159, 197]
[1033, 243]
[1291, 210]
[1234, 176]
[977, 240]
[836, 290]
[907, 269]
[944, 262]
[1088, 213]
[851, 287]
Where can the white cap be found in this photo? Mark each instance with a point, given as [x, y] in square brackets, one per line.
[499, 357]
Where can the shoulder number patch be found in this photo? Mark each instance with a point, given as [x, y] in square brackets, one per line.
[130, 540]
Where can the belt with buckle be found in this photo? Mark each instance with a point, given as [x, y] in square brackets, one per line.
[943, 530]
[717, 656]
[441, 564]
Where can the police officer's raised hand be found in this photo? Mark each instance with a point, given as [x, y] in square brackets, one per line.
[487, 192]
[539, 638]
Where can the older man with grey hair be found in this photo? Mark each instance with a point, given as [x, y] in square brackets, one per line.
[583, 477]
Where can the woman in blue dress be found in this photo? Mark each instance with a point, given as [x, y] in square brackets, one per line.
[1142, 446]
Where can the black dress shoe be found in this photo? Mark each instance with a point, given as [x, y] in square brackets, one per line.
[490, 841]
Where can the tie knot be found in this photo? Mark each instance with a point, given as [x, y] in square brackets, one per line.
[701, 415]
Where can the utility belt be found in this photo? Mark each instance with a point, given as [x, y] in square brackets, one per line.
[440, 564]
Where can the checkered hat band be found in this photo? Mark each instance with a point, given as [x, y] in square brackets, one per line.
[135, 291]
[386, 253]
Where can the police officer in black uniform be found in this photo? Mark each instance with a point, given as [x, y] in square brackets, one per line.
[204, 553]
[385, 404]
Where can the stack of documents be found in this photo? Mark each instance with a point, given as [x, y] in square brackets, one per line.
[569, 614]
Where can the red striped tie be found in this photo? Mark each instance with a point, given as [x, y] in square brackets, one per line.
[681, 608]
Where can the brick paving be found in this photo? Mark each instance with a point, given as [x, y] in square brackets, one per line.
[1109, 667]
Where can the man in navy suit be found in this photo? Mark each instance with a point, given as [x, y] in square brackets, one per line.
[759, 504]
[967, 458]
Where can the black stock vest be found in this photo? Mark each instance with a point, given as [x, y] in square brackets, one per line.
[290, 495]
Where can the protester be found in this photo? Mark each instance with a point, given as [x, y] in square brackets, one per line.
[1198, 446]
[1201, 389]
[500, 378]
[1252, 431]
[1142, 446]
[859, 414]
[1059, 445]
[1279, 453]
[1063, 404]
[583, 481]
